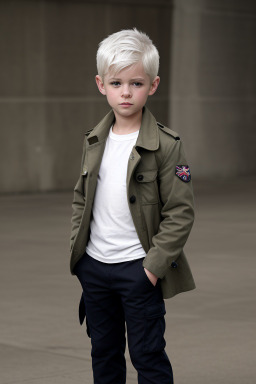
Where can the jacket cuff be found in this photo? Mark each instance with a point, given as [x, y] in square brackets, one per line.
[157, 270]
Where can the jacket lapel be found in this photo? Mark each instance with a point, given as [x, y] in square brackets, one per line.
[95, 146]
[148, 139]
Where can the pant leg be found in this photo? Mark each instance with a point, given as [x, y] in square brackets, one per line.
[144, 315]
[105, 320]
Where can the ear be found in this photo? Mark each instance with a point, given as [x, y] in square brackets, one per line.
[100, 84]
[154, 85]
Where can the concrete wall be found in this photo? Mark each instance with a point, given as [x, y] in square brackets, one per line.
[213, 85]
[48, 96]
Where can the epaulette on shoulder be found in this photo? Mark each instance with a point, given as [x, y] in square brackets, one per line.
[169, 131]
[88, 132]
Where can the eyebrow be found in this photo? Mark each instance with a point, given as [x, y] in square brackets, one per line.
[134, 79]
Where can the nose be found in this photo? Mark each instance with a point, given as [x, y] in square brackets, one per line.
[126, 91]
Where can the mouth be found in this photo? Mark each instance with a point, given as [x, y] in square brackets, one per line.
[125, 104]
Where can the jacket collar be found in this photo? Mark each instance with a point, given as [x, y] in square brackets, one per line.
[148, 136]
[101, 131]
[149, 132]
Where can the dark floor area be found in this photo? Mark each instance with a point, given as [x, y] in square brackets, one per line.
[210, 331]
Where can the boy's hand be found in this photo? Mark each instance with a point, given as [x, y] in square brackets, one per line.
[153, 278]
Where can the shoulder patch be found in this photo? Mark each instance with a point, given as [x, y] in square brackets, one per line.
[183, 172]
[168, 131]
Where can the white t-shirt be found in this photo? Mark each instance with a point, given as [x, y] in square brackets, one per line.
[113, 237]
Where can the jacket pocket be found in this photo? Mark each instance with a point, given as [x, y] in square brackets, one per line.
[82, 314]
[154, 327]
[148, 187]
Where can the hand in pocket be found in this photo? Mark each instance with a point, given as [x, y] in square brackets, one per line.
[152, 278]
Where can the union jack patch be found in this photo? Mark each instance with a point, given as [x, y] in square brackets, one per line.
[183, 172]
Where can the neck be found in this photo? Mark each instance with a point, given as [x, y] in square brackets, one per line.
[124, 126]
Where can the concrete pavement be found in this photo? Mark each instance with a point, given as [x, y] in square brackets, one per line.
[210, 331]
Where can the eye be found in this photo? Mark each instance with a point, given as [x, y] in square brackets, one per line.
[137, 84]
[115, 83]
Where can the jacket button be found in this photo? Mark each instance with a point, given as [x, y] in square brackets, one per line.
[140, 177]
[174, 264]
[132, 199]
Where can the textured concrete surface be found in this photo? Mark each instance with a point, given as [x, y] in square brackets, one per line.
[213, 84]
[48, 95]
[210, 331]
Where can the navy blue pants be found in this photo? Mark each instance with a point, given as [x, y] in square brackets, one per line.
[119, 295]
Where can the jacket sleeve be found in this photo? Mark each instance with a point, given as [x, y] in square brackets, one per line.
[177, 214]
[78, 203]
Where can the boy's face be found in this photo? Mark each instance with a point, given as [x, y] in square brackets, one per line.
[128, 90]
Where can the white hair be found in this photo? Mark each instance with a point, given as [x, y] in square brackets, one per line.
[125, 48]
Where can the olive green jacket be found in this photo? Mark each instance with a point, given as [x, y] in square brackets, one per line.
[161, 204]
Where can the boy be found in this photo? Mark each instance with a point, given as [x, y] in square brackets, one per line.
[132, 214]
